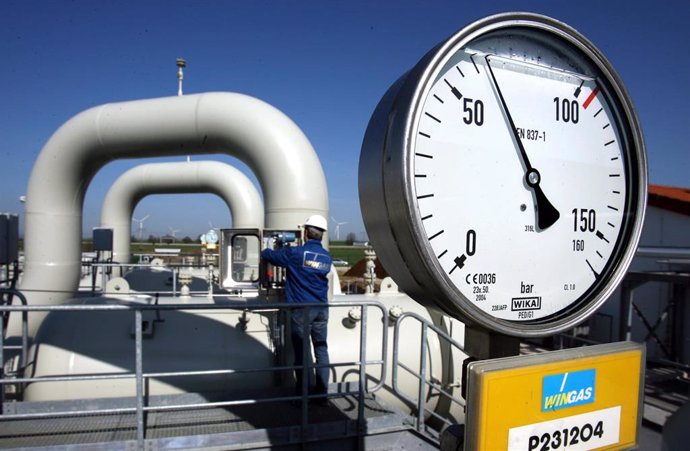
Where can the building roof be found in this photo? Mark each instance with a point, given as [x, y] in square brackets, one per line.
[669, 198]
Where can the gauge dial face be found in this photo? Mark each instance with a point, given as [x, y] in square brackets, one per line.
[514, 252]
[523, 176]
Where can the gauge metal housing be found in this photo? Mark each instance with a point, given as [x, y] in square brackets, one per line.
[389, 201]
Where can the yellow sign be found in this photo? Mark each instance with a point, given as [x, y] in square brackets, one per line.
[583, 398]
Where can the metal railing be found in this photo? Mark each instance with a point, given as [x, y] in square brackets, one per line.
[141, 408]
[104, 271]
[426, 383]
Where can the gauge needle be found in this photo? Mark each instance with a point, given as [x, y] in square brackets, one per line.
[547, 214]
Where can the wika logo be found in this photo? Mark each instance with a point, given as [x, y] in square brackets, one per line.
[521, 304]
[568, 389]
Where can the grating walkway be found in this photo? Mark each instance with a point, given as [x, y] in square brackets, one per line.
[276, 419]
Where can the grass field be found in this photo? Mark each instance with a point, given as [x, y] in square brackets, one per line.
[350, 254]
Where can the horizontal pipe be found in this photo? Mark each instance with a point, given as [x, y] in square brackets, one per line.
[663, 252]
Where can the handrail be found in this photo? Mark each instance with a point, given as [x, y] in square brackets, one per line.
[25, 333]
[140, 409]
[174, 268]
[425, 381]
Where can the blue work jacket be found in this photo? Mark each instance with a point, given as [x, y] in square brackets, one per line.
[307, 270]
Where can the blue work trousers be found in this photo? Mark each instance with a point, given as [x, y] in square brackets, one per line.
[317, 329]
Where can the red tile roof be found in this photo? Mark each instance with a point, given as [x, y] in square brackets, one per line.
[669, 198]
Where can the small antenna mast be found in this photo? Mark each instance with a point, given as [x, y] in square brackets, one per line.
[181, 64]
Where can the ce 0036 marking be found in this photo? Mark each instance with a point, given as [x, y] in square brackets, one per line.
[585, 431]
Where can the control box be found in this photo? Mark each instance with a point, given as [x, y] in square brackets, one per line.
[102, 239]
[239, 258]
[9, 238]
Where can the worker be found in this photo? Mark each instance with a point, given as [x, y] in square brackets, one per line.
[307, 283]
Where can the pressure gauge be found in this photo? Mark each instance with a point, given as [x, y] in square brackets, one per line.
[503, 179]
[211, 237]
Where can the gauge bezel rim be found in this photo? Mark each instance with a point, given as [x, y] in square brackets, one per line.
[419, 82]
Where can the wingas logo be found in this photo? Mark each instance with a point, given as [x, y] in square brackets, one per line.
[568, 389]
[316, 261]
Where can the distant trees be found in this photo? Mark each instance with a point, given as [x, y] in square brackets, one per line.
[351, 238]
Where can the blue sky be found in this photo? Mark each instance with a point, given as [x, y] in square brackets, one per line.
[325, 64]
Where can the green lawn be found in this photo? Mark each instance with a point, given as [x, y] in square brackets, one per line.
[348, 253]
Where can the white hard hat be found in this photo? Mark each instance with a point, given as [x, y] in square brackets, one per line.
[317, 221]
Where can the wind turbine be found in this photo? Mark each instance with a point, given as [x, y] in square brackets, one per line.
[141, 225]
[337, 228]
[173, 232]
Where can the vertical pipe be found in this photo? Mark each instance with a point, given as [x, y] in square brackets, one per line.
[384, 341]
[394, 363]
[210, 281]
[306, 368]
[624, 310]
[629, 316]
[25, 333]
[139, 378]
[362, 368]
[422, 379]
[104, 278]
[677, 314]
[174, 282]
[2, 364]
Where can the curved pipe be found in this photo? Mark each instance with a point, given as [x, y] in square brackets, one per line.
[238, 192]
[264, 138]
